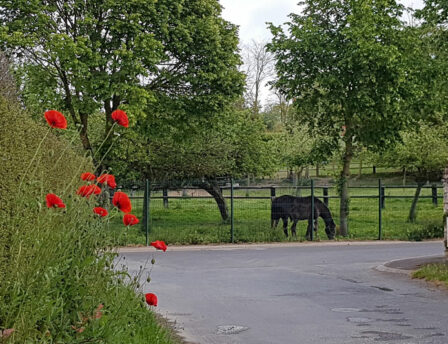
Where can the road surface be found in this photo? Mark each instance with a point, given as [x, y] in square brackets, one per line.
[307, 293]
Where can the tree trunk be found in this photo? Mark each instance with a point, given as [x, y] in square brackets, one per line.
[83, 134]
[360, 169]
[413, 212]
[317, 170]
[343, 187]
[213, 189]
[445, 208]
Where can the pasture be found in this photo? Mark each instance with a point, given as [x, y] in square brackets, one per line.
[194, 220]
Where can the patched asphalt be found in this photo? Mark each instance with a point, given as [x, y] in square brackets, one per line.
[326, 292]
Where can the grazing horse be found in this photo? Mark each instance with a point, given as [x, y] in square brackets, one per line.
[299, 208]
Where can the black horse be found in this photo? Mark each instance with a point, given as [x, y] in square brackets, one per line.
[299, 208]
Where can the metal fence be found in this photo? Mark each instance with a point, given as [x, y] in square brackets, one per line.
[190, 215]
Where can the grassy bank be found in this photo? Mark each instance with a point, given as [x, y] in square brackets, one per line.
[58, 284]
[437, 273]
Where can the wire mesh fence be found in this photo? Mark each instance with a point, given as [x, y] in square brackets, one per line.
[190, 215]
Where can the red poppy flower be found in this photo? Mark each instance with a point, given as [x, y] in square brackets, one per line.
[79, 330]
[121, 118]
[151, 299]
[109, 179]
[160, 245]
[54, 201]
[122, 202]
[88, 176]
[6, 333]
[87, 190]
[100, 211]
[130, 220]
[98, 314]
[56, 119]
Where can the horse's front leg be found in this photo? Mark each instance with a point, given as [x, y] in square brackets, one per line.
[293, 227]
[308, 230]
[285, 225]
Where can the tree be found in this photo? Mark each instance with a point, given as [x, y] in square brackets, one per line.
[258, 63]
[435, 69]
[423, 152]
[342, 65]
[232, 145]
[98, 55]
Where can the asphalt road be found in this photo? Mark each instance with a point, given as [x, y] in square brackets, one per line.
[304, 293]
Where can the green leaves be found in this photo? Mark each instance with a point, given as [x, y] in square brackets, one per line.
[102, 55]
[342, 65]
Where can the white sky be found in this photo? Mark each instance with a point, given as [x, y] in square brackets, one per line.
[251, 17]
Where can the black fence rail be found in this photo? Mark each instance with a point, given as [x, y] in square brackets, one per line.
[189, 214]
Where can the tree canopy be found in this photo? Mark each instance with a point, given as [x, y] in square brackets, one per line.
[89, 56]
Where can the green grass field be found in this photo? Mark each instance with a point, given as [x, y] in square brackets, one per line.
[197, 220]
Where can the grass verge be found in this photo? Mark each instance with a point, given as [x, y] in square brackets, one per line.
[437, 273]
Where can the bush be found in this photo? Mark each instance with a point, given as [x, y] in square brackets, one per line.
[55, 266]
[428, 231]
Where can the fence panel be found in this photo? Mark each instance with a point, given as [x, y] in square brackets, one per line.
[191, 215]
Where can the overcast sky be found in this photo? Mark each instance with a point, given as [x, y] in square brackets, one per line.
[252, 15]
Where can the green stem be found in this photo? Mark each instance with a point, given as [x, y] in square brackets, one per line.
[65, 149]
[105, 139]
[34, 157]
[104, 156]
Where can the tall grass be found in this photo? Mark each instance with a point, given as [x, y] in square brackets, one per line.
[56, 265]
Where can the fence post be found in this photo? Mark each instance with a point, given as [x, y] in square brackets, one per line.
[165, 197]
[326, 199]
[272, 192]
[312, 209]
[380, 207]
[146, 200]
[434, 195]
[231, 212]
[383, 196]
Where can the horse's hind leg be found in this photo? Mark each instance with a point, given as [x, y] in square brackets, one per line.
[285, 225]
[293, 227]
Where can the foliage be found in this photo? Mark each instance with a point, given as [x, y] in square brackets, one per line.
[429, 231]
[88, 56]
[341, 68]
[232, 145]
[55, 264]
[423, 151]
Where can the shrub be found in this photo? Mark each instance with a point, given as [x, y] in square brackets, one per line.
[428, 231]
[57, 281]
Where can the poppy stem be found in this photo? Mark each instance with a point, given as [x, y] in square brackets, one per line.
[32, 160]
[104, 156]
[107, 136]
[65, 149]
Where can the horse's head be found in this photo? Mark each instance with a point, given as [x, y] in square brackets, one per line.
[330, 228]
